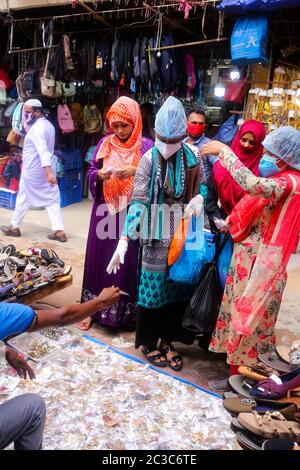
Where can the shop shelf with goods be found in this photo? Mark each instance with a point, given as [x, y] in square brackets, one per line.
[70, 186]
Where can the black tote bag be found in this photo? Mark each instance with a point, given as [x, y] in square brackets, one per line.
[202, 311]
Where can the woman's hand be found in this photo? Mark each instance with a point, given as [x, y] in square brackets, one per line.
[104, 174]
[125, 172]
[213, 148]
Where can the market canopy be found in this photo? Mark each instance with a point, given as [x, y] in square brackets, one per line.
[244, 6]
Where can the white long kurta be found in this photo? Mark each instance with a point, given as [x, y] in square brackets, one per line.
[38, 152]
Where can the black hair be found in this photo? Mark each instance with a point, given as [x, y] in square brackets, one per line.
[196, 111]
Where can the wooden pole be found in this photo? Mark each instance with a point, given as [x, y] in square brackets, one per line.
[95, 14]
[197, 43]
[16, 51]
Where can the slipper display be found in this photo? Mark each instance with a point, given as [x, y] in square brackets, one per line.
[7, 250]
[28, 270]
[283, 352]
[241, 385]
[276, 387]
[250, 373]
[286, 352]
[249, 441]
[272, 359]
[278, 444]
[50, 256]
[270, 425]
[234, 406]
[221, 385]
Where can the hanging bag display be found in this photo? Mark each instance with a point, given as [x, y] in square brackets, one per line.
[50, 87]
[187, 268]
[77, 114]
[65, 120]
[92, 119]
[249, 40]
[202, 311]
[69, 89]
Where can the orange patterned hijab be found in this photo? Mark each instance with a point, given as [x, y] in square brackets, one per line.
[117, 154]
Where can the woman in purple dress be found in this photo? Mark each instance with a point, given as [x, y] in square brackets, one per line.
[111, 178]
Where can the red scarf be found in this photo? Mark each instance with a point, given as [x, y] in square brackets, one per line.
[284, 225]
[229, 191]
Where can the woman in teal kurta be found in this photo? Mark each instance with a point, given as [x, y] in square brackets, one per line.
[169, 182]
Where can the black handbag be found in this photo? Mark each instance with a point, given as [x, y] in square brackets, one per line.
[202, 311]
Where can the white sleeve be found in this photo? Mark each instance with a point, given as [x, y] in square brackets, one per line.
[40, 139]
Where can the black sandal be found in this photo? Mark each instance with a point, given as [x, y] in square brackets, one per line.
[177, 358]
[51, 257]
[155, 358]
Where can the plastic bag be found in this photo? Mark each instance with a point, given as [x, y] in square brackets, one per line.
[201, 314]
[187, 269]
[224, 262]
[249, 40]
[227, 131]
[178, 241]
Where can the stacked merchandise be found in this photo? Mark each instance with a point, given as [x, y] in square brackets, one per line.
[70, 176]
[265, 401]
[22, 272]
[10, 172]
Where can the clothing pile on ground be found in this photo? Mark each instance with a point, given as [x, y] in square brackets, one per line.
[265, 401]
[24, 271]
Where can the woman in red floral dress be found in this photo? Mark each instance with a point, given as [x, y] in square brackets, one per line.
[264, 226]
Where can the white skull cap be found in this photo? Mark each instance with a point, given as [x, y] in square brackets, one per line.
[34, 103]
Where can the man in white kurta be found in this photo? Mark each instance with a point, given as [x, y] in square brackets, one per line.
[38, 183]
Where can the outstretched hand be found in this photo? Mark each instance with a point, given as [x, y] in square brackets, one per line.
[212, 148]
[19, 364]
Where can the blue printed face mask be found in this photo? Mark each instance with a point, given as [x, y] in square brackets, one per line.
[268, 166]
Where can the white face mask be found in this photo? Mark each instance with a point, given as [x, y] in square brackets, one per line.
[167, 150]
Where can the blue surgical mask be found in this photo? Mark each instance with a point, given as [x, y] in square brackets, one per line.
[268, 166]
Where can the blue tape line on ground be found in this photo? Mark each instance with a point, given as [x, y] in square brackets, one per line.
[140, 361]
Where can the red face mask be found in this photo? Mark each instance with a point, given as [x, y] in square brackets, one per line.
[195, 130]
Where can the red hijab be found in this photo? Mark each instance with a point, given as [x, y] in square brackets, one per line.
[229, 191]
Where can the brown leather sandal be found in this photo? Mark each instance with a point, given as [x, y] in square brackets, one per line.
[60, 238]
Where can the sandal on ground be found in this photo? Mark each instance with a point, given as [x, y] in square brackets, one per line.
[154, 358]
[51, 257]
[8, 250]
[170, 361]
[60, 238]
[270, 425]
